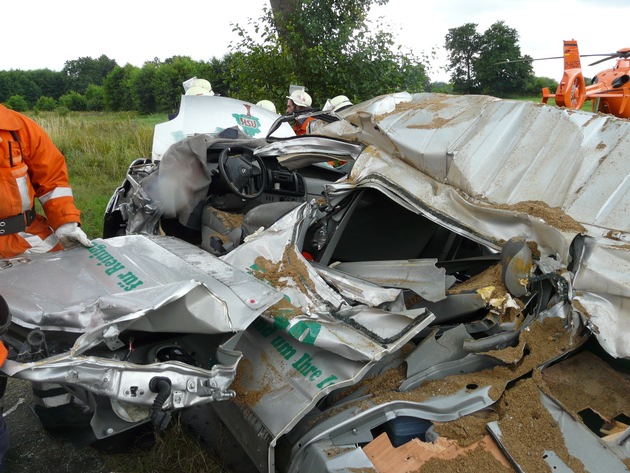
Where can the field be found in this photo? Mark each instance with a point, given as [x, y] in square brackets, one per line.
[98, 148]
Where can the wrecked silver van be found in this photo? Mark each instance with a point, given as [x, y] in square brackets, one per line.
[458, 298]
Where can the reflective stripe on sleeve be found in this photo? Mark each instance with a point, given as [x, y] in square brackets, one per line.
[55, 193]
[37, 244]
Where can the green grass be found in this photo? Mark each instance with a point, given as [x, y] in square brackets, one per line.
[98, 148]
[175, 450]
[587, 107]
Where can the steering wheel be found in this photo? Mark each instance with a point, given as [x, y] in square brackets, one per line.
[244, 173]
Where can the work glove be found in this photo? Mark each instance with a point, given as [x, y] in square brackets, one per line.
[71, 235]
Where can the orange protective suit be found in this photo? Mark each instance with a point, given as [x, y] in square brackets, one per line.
[301, 127]
[31, 166]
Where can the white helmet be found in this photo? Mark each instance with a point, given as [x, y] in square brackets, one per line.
[268, 104]
[300, 98]
[340, 101]
[196, 90]
[204, 84]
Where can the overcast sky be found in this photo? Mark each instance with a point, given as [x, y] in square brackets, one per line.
[45, 34]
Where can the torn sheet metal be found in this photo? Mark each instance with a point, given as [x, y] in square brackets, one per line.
[490, 170]
[156, 284]
[137, 284]
[284, 378]
[431, 352]
[358, 289]
[456, 211]
[494, 167]
[602, 291]
[421, 276]
[311, 310]
[294, 154]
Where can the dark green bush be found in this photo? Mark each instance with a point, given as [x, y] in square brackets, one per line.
[17, 103]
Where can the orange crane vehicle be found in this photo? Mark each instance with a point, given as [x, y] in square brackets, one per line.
[609, 90]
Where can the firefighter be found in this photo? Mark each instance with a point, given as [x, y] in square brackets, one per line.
[198, 90]
[298, 103]
[205, 84]
[268, 104]
[31, 166]
[339, 103]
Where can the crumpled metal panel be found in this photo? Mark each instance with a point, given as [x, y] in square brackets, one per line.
[316, 313]
[422, 276]
[132, 280]
[602, 289]
[153, 284]
[601, 278]
[294, 154]
[505, 151]
[358, 289]
[453, 209]
[287, 378]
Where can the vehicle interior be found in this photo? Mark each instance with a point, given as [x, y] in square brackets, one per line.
[370, 227]
[230, 182]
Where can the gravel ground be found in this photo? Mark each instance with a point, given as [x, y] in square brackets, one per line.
[31, 449]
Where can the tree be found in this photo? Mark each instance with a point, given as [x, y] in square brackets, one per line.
[117, 88]
[217, 72]
[168, 79]
[16, 82]
[85, 70]
[474, 60]
[535, 85]
[50, 83]
[95, 98]
[143, 88]
[499, 44]
[327, 46]
[463, 45]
